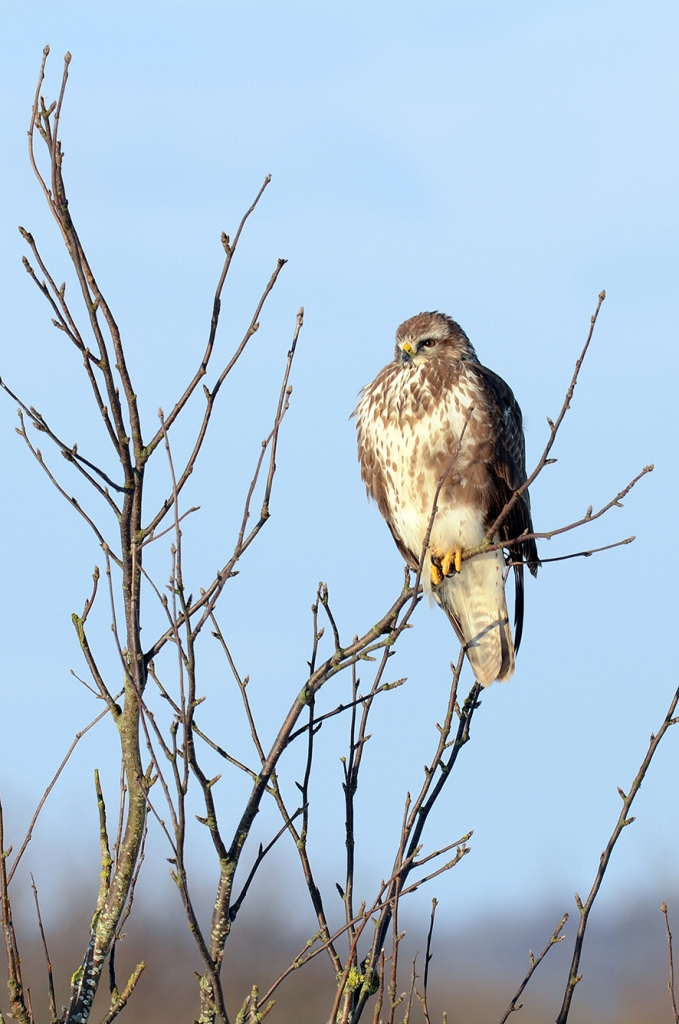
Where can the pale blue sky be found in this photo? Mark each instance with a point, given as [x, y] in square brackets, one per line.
[500, 162]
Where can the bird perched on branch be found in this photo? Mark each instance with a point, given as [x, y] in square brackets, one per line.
[435, 417]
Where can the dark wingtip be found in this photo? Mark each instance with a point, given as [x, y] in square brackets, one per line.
[518, 605]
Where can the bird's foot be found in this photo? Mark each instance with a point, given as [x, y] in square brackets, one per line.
[445, 563]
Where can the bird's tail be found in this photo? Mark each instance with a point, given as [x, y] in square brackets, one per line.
[474, 601]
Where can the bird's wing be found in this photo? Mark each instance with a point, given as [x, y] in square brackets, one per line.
[508, 473]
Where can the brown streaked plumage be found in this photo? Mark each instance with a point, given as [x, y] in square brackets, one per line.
[409, 423]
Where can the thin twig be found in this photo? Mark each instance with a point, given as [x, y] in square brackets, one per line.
[307, 953]
[589, 517]
[156, 536]
[341, 708]
[222, 753]
[380, 992]
[120, 1003]
[242, 686]
[670, 983]
[209, 597]
[230, 248]
[622, 822]
[411, 991]
[29, 833]
[534, 964]
[92, 297]
[428, 954]
[415, 816]
[554, 428]
[350, 785]
[427, 959]
[106, 859]
[212, 996]
[65, 322]
[37, 454]
[70, 452]
[48, 962]
[18, 1003]
[313, 889]
[299, 838]
[581, 554]
[261, 854]
[211, 396]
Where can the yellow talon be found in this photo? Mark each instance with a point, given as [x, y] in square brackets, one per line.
[452, 558]
[446, 564]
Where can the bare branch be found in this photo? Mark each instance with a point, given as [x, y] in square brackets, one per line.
[670, 983]
[222, 753]
[415, 818]
[242, 686]
[55, 296]
[211, 397]
[280, 412]
[554, 427]
[92, 297]
[582, 554]
[230, 248]
[427, 959]
[65, 322]
[18, 1002]
[208, 599]
[104, 694]
[589, 517]
[29, 833]
[555, 937]
[261, 854]
[121, 1001]
[299, 838]
[622, 822]
[341, 708]
[37, 454]
[106, 859]
[156, 536]
[48, 962]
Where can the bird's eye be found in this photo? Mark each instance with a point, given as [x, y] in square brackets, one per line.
[428, 343]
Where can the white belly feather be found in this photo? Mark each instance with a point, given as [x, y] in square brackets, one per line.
[409, 454]
[412, 455]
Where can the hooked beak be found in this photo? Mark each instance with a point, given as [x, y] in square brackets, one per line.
[406, 353]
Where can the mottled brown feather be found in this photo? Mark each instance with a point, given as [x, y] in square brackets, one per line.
[409, 422]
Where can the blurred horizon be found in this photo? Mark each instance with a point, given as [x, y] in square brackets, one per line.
[475, 970]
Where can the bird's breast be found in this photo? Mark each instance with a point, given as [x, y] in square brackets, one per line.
[411, 435]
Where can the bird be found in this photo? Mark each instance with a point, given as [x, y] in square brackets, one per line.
[435, 413]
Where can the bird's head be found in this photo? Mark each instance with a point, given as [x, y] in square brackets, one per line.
[431, 336]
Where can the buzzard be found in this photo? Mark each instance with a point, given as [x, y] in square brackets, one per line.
[409, 422]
